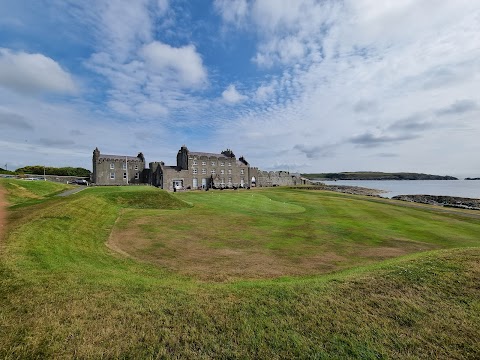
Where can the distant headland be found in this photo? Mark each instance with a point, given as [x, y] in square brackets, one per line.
[373, 175]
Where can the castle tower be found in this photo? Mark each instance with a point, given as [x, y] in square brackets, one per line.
[182, 158]
[96, 155]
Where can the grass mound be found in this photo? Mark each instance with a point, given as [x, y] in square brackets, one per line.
[22, 191]
[242, 202]
[142, 198]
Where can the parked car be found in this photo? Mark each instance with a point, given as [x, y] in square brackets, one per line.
[78, 182]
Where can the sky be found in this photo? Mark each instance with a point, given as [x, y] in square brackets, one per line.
[297, 85]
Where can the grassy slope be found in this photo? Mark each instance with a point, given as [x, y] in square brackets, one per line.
[23, 191]
[63, 294]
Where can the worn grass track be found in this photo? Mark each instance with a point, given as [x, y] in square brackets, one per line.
[64, 294]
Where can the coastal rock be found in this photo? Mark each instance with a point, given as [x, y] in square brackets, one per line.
[448, 201]
[354, 190]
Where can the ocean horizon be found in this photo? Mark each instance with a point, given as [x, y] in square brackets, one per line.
[459, 188]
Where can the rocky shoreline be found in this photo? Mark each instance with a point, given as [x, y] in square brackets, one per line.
[446, 201]
[354, 190]
[438, 200]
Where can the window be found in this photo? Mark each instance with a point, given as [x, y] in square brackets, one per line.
[222, 171]
[229, 164]
[136, 167]
[137, 176]
[213, 163]
[204, 163]
[213, 171]
[223, 181]
[242, 171]
[195, 171]
[194, 162]
[229, 180]
[112, 166]
[124, 176]
[222, 164]
[112, 175]
[229, 171]
[204, 171]
[124, 166]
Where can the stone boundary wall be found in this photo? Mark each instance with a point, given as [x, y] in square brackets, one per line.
[57, 178]
[275, 178]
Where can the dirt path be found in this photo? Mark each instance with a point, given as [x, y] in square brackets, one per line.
[3, 211]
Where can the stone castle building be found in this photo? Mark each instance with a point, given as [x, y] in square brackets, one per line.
[194, 170]
[117, 170]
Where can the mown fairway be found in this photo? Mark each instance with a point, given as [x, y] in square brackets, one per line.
[198, 276]
[282, 232]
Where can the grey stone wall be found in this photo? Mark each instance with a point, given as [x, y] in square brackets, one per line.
[274, 178]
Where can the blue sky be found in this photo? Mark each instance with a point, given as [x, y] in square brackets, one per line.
[299, 85]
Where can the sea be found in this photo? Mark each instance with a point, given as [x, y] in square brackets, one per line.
[461, 188]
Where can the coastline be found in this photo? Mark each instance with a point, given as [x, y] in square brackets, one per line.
[437, 200]
[345, 189]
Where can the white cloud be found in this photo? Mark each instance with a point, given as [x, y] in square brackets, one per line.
[32, 73]
[183, 63]
[286, 50]
[349, 70]
[147, 78]
[150, 108]
[121, 25]
[163, 6]
[263, 92]
[232, 11]
[291, 31]
[232, 96]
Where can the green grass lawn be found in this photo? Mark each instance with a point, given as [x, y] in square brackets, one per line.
[271, 233]
[24, 191]
[65, 294]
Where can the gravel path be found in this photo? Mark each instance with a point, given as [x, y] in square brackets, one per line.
[72, 191]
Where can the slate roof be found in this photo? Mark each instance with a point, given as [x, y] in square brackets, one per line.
[195, 153]
[119, 157]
